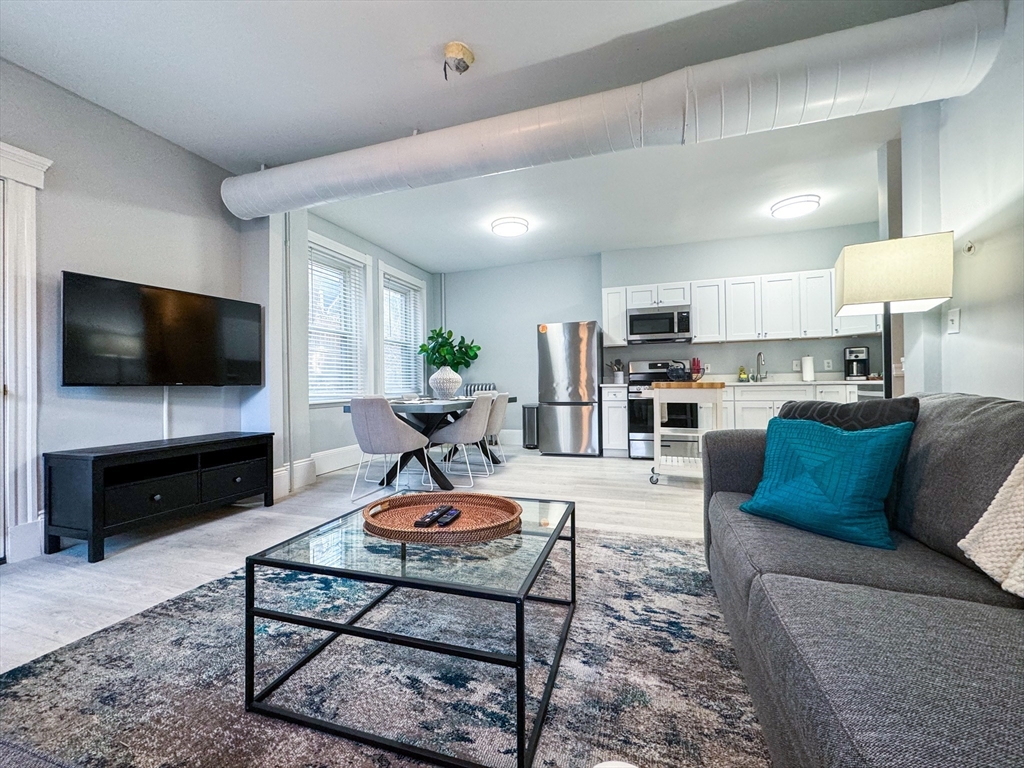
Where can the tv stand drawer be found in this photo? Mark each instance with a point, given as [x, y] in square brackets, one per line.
[234, 480]
[125, 503]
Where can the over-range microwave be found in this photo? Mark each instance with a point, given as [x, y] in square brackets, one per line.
[644, 326]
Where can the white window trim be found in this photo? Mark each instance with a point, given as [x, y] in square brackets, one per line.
[369, 383]
[387, 269]
[22, 173]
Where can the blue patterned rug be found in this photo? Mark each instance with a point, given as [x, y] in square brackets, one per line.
[648, 676]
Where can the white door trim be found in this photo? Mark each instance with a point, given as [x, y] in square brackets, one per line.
[22, 173]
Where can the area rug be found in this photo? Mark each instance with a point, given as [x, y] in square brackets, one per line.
[648, 676]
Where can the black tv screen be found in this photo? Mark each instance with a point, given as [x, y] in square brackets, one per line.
[124, 334]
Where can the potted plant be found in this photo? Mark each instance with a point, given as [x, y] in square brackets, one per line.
[447, 355]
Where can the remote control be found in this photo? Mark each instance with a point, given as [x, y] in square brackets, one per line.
[449, 517]
[431, 517]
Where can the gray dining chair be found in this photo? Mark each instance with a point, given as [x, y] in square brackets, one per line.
[466, 431]
[495, 421]
[380, 432]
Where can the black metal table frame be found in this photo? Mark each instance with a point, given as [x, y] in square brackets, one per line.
[526, 743]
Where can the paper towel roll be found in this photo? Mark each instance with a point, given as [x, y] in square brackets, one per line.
[807, 368]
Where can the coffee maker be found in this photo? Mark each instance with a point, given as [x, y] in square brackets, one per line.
[856, 362]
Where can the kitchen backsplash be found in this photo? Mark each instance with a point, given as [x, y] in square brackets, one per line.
[727, 357]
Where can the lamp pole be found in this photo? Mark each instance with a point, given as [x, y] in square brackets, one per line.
[886, 351]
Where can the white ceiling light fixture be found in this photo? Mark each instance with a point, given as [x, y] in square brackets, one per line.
[510, 226]
[792, 207]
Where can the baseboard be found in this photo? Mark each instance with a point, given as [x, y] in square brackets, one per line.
[336, 458]
[25, 541]
[303, 474]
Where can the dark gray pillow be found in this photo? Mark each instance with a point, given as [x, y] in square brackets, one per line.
[852, 417]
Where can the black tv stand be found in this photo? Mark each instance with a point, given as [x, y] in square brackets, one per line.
[92, 493]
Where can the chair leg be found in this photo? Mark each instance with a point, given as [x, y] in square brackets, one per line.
[501, 448]
[429, 476]
[355, 480]
[488, 466]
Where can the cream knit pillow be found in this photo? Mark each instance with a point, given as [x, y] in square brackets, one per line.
[996, 542]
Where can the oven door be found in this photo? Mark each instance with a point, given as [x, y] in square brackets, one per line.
[650, 325]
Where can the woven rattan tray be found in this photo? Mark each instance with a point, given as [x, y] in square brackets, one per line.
[484, 517]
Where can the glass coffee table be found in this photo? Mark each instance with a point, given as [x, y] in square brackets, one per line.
[503, 572]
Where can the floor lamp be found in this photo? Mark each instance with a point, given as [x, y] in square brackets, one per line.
[891, 277]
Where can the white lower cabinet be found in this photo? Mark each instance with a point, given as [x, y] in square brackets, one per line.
[753, 414]
[836, 393]
[615, 421]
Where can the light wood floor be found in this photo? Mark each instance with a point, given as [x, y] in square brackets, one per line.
[52, 600]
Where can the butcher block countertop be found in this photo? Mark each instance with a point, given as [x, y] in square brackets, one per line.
[688, 385]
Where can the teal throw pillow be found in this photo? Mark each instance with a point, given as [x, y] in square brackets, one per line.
[829, 481]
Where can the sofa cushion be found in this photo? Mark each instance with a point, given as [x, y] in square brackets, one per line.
[962, 451]
[748, 546]
[872, 678]
[830, 481]
[866, 414]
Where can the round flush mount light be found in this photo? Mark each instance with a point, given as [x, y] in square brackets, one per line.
[510, 226]
[792, 207]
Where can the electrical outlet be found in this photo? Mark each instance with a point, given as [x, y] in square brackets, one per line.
[828, 364]
[796, 365]
[706, 367]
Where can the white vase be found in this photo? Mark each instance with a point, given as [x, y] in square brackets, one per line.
[445, 382]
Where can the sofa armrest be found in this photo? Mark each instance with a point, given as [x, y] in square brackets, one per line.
[733, 460]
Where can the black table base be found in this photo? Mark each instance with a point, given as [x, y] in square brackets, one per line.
[527, 738]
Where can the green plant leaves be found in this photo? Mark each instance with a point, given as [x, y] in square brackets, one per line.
[440, 350]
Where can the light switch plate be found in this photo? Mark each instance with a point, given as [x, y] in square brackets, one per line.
[953, 321]
[796, 365]
[828, 364]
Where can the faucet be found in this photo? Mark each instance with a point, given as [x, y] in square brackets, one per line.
[760, 361]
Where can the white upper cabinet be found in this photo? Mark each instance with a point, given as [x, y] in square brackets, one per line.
[614, 316]
[657, 295]
[707, 311]
[857, 325]
[673, 294]
[816, 303]
[641, 296]
[780, 306]
[743, 308]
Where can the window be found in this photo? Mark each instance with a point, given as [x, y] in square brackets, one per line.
[338, 343]
[401, 308]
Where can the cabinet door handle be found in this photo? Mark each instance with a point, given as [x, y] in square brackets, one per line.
[157, 497]
[805, 333]
[238, 479]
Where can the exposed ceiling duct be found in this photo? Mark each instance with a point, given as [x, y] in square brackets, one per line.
[927, 56]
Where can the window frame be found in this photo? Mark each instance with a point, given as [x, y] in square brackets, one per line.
[420, 285]
[345, 252]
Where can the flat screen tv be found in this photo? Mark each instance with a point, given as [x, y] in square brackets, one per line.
[124, 334]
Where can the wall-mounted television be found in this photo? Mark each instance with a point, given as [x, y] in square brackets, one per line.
[117, 333]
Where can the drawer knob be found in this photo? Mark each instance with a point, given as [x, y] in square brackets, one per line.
[157, 497]
[238, 479]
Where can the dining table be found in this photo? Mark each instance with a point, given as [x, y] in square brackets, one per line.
[426, 416]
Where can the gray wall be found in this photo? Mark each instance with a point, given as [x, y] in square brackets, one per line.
[118, 202]
[981, 157]
[501, 307]
[329, 426]
[737, 257]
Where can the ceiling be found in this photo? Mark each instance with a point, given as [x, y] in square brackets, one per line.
[647, 197]
[242, 83]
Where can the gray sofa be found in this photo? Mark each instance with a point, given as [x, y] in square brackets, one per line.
[857, 656]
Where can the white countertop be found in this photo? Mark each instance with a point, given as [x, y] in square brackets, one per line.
[773, 382]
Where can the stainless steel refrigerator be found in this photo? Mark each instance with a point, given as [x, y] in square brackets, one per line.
[569, 356]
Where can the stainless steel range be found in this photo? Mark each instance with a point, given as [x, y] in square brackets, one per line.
[678, 420]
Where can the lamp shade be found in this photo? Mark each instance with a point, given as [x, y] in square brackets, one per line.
[914, 274]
